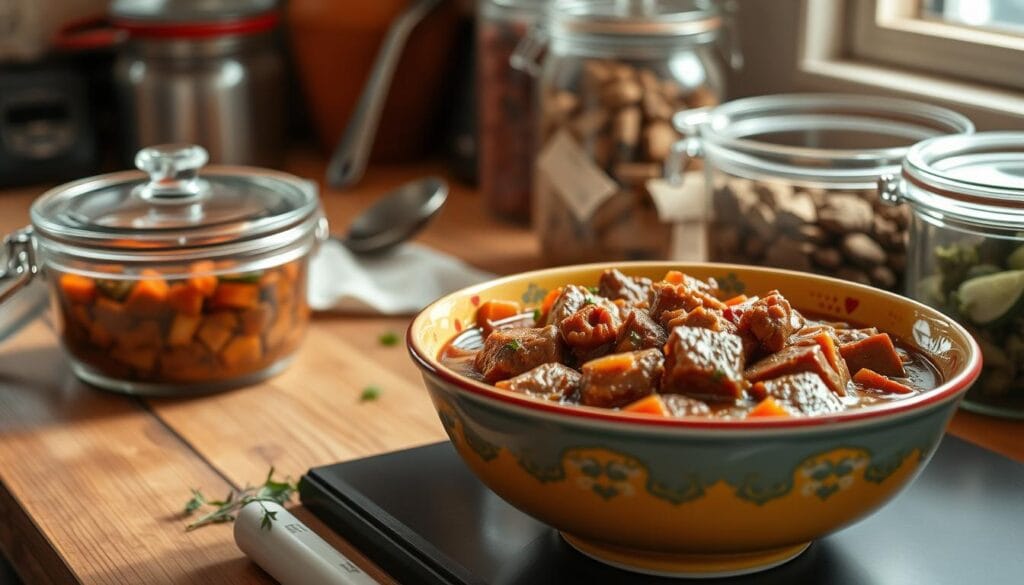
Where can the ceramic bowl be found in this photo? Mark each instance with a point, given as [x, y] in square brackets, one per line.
[696, 497]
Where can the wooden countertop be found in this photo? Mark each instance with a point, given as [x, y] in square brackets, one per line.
[92, 484]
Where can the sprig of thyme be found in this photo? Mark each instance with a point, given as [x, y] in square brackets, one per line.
[225, 510]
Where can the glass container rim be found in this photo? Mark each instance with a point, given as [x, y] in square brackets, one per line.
[720, 126]
[572, 19]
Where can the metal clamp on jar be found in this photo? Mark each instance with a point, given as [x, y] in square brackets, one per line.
[181, 282]
[614, 74]
[791, 180]
[967, 249]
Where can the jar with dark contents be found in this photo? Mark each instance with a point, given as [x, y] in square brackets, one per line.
[507, 105]
[791, 180]
[613, 75]
[967, 251]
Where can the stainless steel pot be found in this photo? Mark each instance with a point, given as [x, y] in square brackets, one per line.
[207, 73]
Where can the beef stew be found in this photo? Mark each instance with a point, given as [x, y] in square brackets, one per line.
[679, 348]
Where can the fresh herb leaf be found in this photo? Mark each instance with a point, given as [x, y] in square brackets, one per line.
[593, 289]
[536, 315]
[514, 345]
[388, 338]
[589, 301]
[226, 510]
[370, 393]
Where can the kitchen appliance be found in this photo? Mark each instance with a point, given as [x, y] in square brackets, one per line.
[208, 73]
[46, 128]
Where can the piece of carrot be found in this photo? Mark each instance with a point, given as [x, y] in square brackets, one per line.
[236, 295]
[148, 295]
[736, 300]
[873, 379]
[185, 299]
[674, 277]
[616, 362]
[549, 301]
[652, 404]
[290, 271]
[493, 311]
[78, 289]
[203, 280]
[768, 407]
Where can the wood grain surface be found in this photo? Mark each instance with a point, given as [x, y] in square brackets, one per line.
[92, 484]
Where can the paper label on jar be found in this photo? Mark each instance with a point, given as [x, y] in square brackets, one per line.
[684, 202]
[574, 175]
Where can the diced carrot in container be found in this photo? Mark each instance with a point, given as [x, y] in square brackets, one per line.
[278, 331]
[203, 280]
[100, 336]
[183, 328]
[652, 404]
[496, 310]
[149, 295]
[216, 330]
[140, 358]
[236, 295]
[78, 289]
[768, 407]
[290, 271]
[185, 299]
[873, 379]
[144, 334]
[111, 314]
[243, 349]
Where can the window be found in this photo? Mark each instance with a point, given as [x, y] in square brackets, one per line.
[979, 41]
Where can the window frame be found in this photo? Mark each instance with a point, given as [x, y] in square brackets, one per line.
[890, 32]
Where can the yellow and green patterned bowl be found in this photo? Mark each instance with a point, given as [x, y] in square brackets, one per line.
[696, 497]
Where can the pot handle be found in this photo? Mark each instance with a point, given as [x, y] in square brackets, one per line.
[17, 275]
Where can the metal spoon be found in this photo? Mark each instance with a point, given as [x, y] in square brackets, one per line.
[396, 217]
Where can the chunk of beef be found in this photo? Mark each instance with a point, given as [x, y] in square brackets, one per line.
[702, 317]
[510, 352]
[874, 353]
[554, 382]
[666, 297]
[591, 331]
[793, 360]
[615, 285]
[770, 321]
[679, 405]
[621, 378]
[639, 331]
[703, 364]
[803, 393]
[571, 299]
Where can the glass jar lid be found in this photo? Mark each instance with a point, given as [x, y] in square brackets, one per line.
[645, 19]
[176, 209]
[839, 140]
[977, 178]
[189, 11]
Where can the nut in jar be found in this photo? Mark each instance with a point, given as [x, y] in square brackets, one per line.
[611, 82]
[180, 283]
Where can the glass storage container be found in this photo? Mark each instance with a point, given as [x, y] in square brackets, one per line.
[177, 283]
[613, 75]
[507, 102]
[967, 250]
[792, 179]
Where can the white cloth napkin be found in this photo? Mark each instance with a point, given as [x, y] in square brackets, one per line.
[398, 283]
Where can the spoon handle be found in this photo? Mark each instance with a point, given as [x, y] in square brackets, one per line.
[350, 156]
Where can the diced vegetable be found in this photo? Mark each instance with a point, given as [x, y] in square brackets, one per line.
[768, 407]
[492, 311]
[144, 334]
[140, 358]
[185, 299]
[100, 336]
[115, 288]
[203, 280]
[149, 294]
[244, 277]
[78, 289]
[236, 295]
[736, 300]
[257, 319]
[278, 331]
[216, 330]
[987, 299]
[674, 277]
[243, 349]
[872, 379]
[549, 301]
[616, 362]
[183, 328]
[290, 271]
[111, 314]
[652, 404]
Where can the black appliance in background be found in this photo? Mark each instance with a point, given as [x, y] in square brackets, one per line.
[47, 132]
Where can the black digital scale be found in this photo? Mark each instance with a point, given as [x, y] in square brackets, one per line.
[426, 519]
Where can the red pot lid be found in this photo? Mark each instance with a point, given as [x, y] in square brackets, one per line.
[194, 18]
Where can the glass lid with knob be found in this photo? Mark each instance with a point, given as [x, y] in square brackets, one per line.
[179, 206]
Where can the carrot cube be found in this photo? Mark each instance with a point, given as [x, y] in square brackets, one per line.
[78, 289]
[872, 379]
[652, 404]
[768, 407]
[493, 311]
[243, 349]
[203, 281]
[185, 299]
[236, 295]
[149, 294]
[183, 328]
[674, 277]
[736, 300]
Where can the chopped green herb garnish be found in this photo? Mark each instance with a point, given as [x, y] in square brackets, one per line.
[370, 393]
[388, 338]
[225, 510]
[589, 301]
[514, 345]
[593, 289]
[536, 315]
[634, 339]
